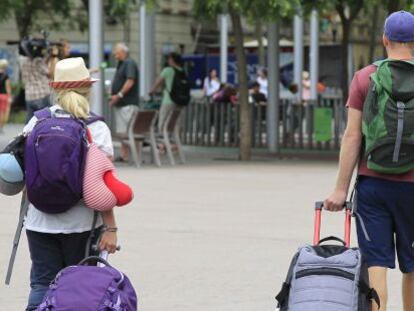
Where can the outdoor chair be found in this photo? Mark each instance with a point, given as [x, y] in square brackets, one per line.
[171, 135]
[141, 129]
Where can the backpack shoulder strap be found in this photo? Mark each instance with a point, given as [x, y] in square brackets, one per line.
[283, 295]
[172, 82]
[379, 62]
[44, 113]
[94, 118]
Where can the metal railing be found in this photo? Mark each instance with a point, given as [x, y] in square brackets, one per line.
[218, 124]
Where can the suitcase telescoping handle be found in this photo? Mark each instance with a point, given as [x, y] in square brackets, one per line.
[318, 220]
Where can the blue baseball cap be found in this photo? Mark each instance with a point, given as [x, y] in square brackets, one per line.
[399, 27]
[10, 189]
[10, 169]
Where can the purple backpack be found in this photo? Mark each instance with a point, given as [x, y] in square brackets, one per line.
[90, 288]
[55, 154]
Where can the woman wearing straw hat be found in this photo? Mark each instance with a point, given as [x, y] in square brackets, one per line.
[59, 240]
[5, 93]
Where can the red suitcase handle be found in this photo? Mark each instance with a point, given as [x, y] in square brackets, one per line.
[318, 220]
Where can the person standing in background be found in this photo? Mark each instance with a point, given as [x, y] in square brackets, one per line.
[263, 82]
[35, 77]
[57, 53]
[306, 84]
[211, 84]
[166, 79]
[125, 96]
[5, 93]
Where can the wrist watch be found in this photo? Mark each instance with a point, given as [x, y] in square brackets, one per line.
[120, 95]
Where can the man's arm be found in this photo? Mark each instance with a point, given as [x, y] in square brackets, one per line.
[109, 237]
[129, 83]
[9, 90]
[158, 83]
[349, 156]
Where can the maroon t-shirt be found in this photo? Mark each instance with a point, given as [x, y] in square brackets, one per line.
[357, 94]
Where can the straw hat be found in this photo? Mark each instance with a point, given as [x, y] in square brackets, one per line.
[71, 73]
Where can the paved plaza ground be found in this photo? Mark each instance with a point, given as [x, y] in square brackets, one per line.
[212, 235]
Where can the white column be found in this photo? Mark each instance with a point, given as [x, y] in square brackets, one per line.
[150, 51]
[144, 83]
[298, 53]
[273, 91]
[224, 43]
[314, 54]
[96, 51]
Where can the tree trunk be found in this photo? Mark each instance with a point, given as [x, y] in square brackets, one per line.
[245, 113]
[127, 29]
[393, 6]
[23, 22]
[346, 33]
[261, 50]
[373, 36]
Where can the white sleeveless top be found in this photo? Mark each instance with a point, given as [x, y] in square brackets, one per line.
[79, 218]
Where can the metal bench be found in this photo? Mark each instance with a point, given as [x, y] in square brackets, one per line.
[141, 128]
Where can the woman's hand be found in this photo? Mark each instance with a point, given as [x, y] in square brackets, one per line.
[108, 242]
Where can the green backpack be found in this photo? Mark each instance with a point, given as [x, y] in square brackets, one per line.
[388, 118]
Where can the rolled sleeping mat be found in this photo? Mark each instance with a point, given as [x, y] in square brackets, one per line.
[102, 191]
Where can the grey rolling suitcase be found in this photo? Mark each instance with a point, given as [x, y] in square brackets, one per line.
[327, 277]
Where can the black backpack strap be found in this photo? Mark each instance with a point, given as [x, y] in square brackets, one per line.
[92, 234]
[283, 295]
[173, 80]
[370, 293]
[332, 238]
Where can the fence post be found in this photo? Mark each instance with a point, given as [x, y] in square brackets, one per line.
[229, 124]
[273, 102]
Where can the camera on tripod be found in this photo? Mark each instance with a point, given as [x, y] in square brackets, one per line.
[33, 47]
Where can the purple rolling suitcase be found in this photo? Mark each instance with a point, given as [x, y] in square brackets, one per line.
[90, 288]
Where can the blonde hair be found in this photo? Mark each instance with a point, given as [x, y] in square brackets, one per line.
[3, 64]
[74, 101]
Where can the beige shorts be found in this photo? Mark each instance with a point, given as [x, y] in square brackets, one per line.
[164, 113]
[123, 116]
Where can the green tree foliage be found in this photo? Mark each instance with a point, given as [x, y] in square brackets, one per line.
[116, 11]
[348, 11]
[34, 15]
[265, 10]
[396, 5]
[375, 18]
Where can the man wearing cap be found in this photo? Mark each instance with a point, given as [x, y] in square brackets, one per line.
[384, 202]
